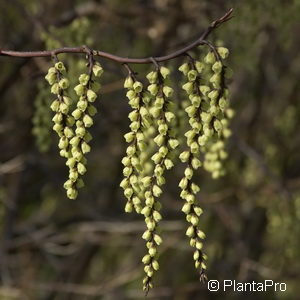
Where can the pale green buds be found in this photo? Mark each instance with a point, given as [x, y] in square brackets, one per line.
[60, 66]
[64, 83]
[84, 79]
[156, 190]
[168, 91]
[217, 67]
[188, 87]
[79, 89]
[87, 121]
[184, 156]
[165, 72]
[152, 77]
[97, 70]
[199, 66]
[91, 95]
[210, 58]
[184, 68]
[192, 75]
[223, 52]
[137, 87]
[153, 89]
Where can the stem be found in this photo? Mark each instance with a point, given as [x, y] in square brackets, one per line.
[83, 49]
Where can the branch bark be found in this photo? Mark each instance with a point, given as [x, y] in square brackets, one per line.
[82, 49]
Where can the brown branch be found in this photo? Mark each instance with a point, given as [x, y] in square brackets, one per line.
[82, 49]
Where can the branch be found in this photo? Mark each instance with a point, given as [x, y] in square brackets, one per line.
[82, 49]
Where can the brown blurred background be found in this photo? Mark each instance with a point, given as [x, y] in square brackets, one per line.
[55, 248]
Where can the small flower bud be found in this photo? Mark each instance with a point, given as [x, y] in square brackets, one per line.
[85, 147]
[97, 70]
[64, 83]
[87, 120]
[210, 58]
[79, 89]
[184, 156]
[168, 91]
[184, 68]
[60, 66]
[224, 52]
[128, 207]
[192, 75]
[137, 87]
[91, 95]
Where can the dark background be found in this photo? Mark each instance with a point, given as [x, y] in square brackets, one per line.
[55, 248]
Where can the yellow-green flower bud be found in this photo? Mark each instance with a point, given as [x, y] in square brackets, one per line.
[188, 173]
[55, 89]
[97, 70]
[79, 89]
[217, 67]
[188, 87]
[146, 181]
[184, 156]
[217, 125]
[91, 95]
[64, 83]
[168, 91]
[81, 168]
[82, 105]
[196, 163]
[210, 58]
[146, 259]
[64, 108]
[194, 220]
[155, 265]
[152, 251]
[194, 147]
[223, 52]
[192, 75]
[165, 72]
[138, 87]
[157, 239]
[85, 148]
[73, 175]
[128, 84]
[55, 105]
[63, 143]
[128, 207]
[147, 235]
[186, 208]
[153, 89]
[72, 193]
[129, 137]
[168, 163]
[87, 120]
[204, 89]
[156, 190]
[184, 68]
[152, 77]
[60, 66]
[190, 231]
[84, 79]
[156, 216]
[77, 114]
[51, 78]
[199, 66]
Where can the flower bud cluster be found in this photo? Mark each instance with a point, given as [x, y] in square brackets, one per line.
[83, 114]
[196, 136]
[140, 122]
[161, 111]
[62, 119]
[215, 149]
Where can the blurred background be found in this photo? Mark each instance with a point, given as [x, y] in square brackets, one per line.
[55, 248]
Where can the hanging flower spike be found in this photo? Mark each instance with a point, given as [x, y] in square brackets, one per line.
[196, 93]
[63, 121]
[140, 122]
[215, 152]
[86, 91]
[166, 142]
